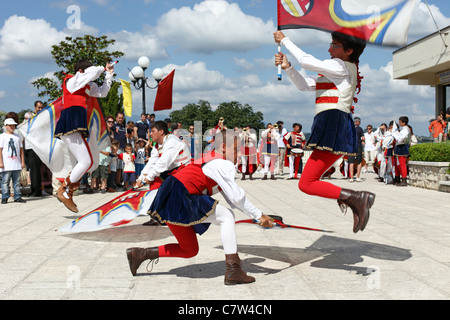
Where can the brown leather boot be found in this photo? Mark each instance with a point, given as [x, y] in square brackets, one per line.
[138, 255]
[360, 202]
[65, 195]
[234, 273]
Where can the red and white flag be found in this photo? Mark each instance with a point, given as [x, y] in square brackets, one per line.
[382, 22]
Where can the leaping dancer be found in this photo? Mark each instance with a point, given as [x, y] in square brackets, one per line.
[72, 127]
[333, 130]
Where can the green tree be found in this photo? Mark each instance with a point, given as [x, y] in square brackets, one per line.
[113, 102]
[235, 114]
[238, 115]
[67, 53]
[192, 112]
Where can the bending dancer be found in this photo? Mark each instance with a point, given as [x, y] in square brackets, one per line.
[72, 127]
[333, 131]
[184, 203]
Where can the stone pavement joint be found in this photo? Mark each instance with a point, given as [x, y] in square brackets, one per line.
[404, 252]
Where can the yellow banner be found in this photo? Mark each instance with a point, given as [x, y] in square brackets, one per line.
[127, 98]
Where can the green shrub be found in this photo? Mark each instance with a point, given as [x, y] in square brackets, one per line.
[431, 152]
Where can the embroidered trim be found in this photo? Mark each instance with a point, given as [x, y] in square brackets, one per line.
[83, 131]
[315, 146]
[156, 215]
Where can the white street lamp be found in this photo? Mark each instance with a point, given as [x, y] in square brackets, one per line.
[139, 80]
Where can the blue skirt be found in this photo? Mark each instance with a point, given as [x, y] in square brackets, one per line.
[174, 205]
[334, 131]
[72, 120]
[401, 150]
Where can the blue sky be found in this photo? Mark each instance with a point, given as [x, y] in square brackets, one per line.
[222, 51]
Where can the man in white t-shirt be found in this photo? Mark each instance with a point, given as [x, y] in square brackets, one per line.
[370, 148]
[12, 161]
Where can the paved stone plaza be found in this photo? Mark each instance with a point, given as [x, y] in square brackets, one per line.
[404, 253]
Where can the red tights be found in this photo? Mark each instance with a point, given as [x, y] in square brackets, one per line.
[187, 246]
[402, 166]
[318, 163]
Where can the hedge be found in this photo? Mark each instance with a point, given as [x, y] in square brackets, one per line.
[430, 152]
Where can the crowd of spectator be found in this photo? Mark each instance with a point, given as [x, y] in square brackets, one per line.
[265, 153]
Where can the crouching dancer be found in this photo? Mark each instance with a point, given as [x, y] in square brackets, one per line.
[184, 203]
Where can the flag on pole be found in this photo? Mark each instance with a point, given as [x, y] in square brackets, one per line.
[163, 99]
[117, 212]
[127, 98]
[382, 22]
[39, 133]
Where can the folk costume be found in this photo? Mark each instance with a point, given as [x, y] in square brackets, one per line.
[333, 132]
[248, 151]
[184, 203]
[269, 151]
[294, 142]
[401, 152]
[165, 158]
[72, 127]
[380, 158]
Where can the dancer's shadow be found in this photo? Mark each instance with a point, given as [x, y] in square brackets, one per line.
[335, 253]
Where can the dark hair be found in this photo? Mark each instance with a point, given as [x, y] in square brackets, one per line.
[160, 125]
[82, 65]
[297, 124]
[348, 42]
[12, 115]
[404, 119]
[37, 102]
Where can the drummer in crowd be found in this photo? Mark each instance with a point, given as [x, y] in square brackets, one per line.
[294, 141]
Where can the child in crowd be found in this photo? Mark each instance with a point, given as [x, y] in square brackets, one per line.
[141, 156]
[113, 166]
[12, 161]
[129, 171]
[101, 174]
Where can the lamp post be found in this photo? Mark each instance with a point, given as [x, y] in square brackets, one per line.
[139, 80]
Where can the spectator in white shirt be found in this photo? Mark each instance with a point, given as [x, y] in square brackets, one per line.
[370, 148]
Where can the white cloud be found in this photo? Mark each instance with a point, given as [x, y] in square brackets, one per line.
[194, 77]
[50, 75]
[422, 22]
[214, 25]
[137, 44]
[27, 39]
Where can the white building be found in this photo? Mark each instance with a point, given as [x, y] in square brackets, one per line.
[427, 62]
